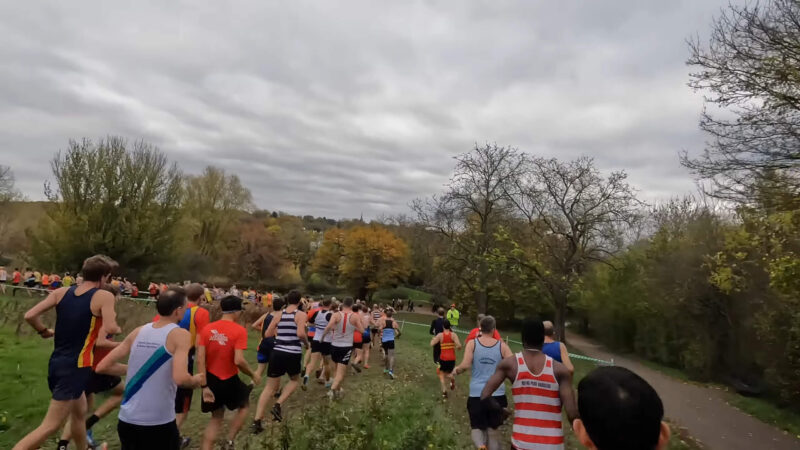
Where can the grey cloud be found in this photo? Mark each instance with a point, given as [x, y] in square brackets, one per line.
[336, 109]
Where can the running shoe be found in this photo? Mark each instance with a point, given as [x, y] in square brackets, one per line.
[330, 394]
[276, 413]
[452, 384]
[318, 373]
[385, 371]
[391, 374]
[228, 446]
[257, 427]
[278, 393]
[328, 384]
[62, 446]
[304, 386]
[366, 366]
[444, 395]
[358, 369]
[185, 441]
[90, 439]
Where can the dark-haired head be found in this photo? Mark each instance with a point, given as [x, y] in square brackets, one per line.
[619, 410]
[293, 297]
[532, 333]
[170, 301]
[326, 303]
[277, 304]
[348, 302]
[446, 324]
[231, 304]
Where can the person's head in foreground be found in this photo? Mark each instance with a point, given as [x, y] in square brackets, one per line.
[171, 304]
[619, 411]
[231, 304]
[532, 334]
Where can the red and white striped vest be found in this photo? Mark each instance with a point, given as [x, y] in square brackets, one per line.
[537, 408]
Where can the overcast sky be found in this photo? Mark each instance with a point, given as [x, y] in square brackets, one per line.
[338, 108]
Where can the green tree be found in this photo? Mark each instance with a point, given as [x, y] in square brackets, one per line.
[8, 194]
[113, 198]
[373, 258]
[212, 202]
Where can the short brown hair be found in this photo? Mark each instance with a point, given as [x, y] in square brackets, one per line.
[194, 291]
[97, 266]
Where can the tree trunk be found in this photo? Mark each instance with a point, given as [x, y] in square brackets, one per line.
[561, 316]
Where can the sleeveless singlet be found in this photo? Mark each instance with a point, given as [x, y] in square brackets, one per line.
[484, 362]
[553, 350]
[266, 344]
[76, 330]
[388, 331]
[149, 397]
[376, 315]
[320, 323]
[448, 347]
[343, 333]
[187, 323]
[286, 340]
[537, 408]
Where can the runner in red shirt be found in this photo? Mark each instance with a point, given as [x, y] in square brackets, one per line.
[16, 279]
[477, 331]
[447, 359]
[220, 356]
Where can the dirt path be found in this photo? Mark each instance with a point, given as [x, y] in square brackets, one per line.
[702, 411]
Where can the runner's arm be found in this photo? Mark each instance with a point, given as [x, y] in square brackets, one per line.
[396, 328]
[357, 323]
[565, 391]
[565, 358]
[179, 341]
[241, 362]
[108, 313]
[466, 360]
[200, 359]
[104, 342]
[334, 320]
[260, 321]
[436, 339]
[109, 364]
[302, 321]
[272, 329]
[34, 315]
[505, 350]
[456, 340]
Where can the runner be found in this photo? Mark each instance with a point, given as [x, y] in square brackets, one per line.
[157, 365]
[220, 357]
[289, 329]
[267, 343]
[98, 383]
[437, 326]
[16, 279]
[376, 317]
[320, 348]
[447, 359]
[453, 315]
[312, 329]
[68, 280]
[342, 326]
[540, 387]
[483, 354]
[78, 313]
[194, 320]
[367, 337]
[554, 349]
[3, 279]
[358, 340]
[619, 410]
[388, 331]
[477, 331]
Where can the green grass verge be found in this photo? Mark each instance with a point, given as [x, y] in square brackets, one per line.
[375, 413]
[766, 411]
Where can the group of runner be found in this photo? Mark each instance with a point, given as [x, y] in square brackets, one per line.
[159, 375]
[33, 279]
[614, 408]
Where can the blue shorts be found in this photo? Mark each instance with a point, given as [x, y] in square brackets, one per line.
[68, 382]
[262, 358]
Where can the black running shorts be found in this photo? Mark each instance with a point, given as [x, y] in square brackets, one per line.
[284, 363]
[447, 366]
[230, 393]
[387, 345]
[138, 437]
[67, 382]
[341, 355]
[480, 418]
[101, 383]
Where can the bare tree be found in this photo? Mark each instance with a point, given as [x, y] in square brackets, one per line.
[575, 217]
[749, 71]
[471, 209]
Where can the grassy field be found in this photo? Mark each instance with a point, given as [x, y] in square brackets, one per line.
[375, 412]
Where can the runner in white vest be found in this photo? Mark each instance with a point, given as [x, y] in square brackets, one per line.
[158, 364]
